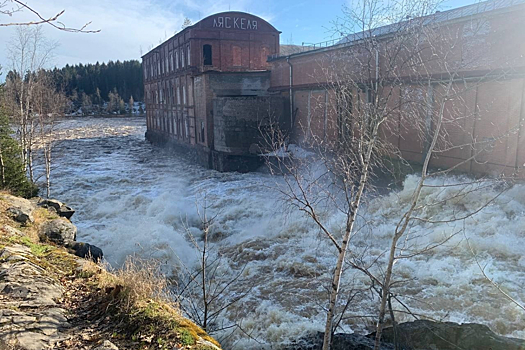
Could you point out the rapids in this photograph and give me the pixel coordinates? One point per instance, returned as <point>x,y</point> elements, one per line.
<point>135,199</point>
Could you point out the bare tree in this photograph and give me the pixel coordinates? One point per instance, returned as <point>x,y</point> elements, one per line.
<point>29,53</point>
<point>205,293</point>
<point>32,99</point>
<point>11,7</point>
<point>49,104</point>
<point>379,80</point>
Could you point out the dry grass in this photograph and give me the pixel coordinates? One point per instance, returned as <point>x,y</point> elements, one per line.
<point>138,280</point>
<point>139,293</point>
<point>134,301</point>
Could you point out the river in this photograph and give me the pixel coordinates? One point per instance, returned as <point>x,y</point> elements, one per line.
<point>136,199</point>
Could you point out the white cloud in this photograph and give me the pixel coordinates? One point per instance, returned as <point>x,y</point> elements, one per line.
<point>126,25</point>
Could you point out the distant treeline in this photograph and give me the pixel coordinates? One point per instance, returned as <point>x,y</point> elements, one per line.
<point>98,80</point>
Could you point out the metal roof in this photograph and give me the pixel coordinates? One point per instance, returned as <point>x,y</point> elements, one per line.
<point>440,16</point>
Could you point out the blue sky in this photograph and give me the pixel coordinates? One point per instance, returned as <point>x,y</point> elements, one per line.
<point>129,27</point>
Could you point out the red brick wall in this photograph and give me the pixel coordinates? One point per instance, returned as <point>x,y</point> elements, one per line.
<point>482,120</point>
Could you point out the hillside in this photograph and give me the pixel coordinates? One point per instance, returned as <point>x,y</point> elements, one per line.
<point>52,299</point>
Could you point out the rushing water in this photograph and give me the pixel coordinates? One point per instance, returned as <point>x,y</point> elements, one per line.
<point>133,198</point>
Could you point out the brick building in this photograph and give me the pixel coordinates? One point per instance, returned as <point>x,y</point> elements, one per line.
<point>485,40</point>
<point>208,87</point>
<point>196,81</point>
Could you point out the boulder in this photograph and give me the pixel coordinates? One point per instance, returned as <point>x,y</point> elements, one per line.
<point>20,214</point>
<point>339,342</point>
<point>86,251</point>
<point>60,208</point>
<point>424,334</point>
<point>50,203</point>
<point>66,212</point>
<point>59,231</point>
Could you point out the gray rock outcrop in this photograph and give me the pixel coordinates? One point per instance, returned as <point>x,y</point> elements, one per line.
<point>424,334</point>
<point>59,231</point>
<point>339,342</point>
<point>25,217</point>
<point>21,210</point>
<point>29,314</point>
<point>60,208</point>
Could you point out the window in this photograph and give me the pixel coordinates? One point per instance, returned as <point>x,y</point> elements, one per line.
<point>178,95</point>
<point>265,52</point>
<point>182,58</point>
<point>184,94</point>
<point>207,55</point>
<point>187,128</point>
<point>237,56</point>
<point>189,56</point>
<point>202,132</point>
<point>177,59</point>
<point>190,93</point>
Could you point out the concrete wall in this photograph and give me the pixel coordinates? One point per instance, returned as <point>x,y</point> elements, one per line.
<point>238,121</point>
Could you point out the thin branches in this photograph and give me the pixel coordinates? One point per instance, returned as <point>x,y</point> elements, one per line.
<point>53,20</point>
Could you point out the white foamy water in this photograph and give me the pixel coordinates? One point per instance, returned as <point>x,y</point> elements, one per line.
<point>133,198</point>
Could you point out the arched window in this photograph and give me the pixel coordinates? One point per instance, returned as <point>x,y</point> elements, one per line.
<point>207,55</point>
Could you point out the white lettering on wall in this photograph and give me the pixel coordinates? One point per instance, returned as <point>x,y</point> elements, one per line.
<point>235,23</point>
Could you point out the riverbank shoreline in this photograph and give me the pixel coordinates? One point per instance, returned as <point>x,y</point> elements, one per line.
<point>50,298</point>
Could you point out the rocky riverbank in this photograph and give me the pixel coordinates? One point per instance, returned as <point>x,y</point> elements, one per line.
<point>53,298</point>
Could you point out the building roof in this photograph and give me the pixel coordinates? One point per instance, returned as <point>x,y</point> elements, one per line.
<point>440,16</point>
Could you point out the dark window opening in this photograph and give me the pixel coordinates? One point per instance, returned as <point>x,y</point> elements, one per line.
<point>202,132</point>
<point>206,54</point>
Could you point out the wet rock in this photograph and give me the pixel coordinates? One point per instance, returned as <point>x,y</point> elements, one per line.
<point>86,251</point>
<point>21,215</point>
<point>423,334</point>
<point>59,231</point>
<point>106,345</point>
<point>339,342</point>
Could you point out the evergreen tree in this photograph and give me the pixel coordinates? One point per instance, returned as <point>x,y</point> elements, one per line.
<point>98,80</point>
<point>12,175</point>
